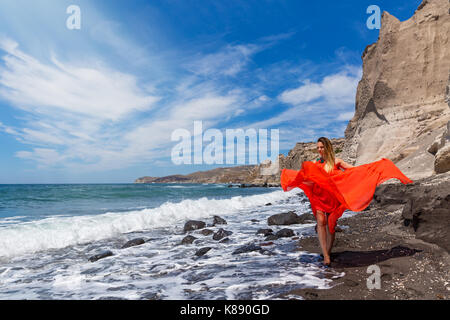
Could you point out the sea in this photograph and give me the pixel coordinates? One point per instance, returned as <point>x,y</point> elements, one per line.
<point>48,232</point>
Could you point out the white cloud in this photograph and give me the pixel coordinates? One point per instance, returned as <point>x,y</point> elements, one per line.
<point>94,92</point>
<point>228,61</point>
<point>313,107</point>
<point>69,111</point>
<point>43,156</point>
<point>345,116</point>
<point>305,93</point>
<point>207,107</point>
<point>337,89</point>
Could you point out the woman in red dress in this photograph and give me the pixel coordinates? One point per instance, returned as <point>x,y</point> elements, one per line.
<point>331,190</point>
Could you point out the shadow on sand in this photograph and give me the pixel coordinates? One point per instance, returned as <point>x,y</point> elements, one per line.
<point>350,259</point>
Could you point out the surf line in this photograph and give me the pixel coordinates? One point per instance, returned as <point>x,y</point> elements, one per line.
<point>197,310</point>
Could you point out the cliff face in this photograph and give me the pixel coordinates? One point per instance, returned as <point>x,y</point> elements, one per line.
<point>402,101</point>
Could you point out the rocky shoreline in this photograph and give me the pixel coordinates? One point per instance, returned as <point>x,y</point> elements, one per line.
<point>413,258</point>
<point>404,232</point>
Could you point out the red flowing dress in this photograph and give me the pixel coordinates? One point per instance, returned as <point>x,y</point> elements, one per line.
<point>338,190</point>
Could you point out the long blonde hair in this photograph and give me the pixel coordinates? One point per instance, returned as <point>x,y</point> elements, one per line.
<point>328,153</point>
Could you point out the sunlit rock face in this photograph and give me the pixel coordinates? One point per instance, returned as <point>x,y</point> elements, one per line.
<point>402,100</point>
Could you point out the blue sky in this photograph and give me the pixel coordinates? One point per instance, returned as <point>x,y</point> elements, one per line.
<point>99,104</point>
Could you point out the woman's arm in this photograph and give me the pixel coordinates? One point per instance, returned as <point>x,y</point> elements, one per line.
<point>343,164</point>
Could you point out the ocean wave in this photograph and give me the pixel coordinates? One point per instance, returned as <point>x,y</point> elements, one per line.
<point>60,232</point>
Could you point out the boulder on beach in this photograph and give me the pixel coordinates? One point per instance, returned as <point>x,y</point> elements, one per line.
<point>442,161</point>
<point>202,251</point>
<point>218,220</point>
<point>188,239</point>
<point>133,242</point>
<point>284,233</point>
<point>221,233</point>
<point>285,218</point>
<point>206,232</point>
<point>224,240</point>
<point>306,218</point>
<point>193,225</point>
<point>247,248</point>
<point>100,255</point>
<point>264,232</point>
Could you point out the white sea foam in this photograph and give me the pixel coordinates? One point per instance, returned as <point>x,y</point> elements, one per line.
<point>164,269</point>
<point>60,232</point>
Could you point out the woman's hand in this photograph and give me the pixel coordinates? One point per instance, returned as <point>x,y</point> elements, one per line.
<point>343,164</point>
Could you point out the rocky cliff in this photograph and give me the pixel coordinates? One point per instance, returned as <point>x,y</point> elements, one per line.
<point>402,99</point>
<point>237,174</point>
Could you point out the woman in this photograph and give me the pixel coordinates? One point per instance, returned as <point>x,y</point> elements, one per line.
<point>331,190</point>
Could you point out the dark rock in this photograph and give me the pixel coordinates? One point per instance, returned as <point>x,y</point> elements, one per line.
<point>188,239</point>
<point>285,218</point>
<point>306,218</point>
<point>254,220</point>
<point>221,233</point>
<point>101,255</point>
<point>266,252</point>
<point>284,233</point>
<point>200,252</point>
<point>247,248</point>
<point>426,207</point>
<point>224,240</point>
<point>206,232</point>
<point>271,237</point>
<point>133,242</point>
<point>389,194</point>
<point>274,185</point>
<point>268,204</point>
<point>252,185</point>
<point>264,232</point>
<point>428,215</point>
<point>219,220</point>
<point>193,225</point>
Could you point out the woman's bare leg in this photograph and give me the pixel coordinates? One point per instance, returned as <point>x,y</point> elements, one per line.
<point>330,240</point>
<point>322,233</point>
